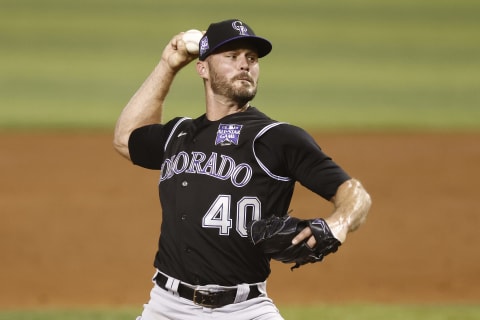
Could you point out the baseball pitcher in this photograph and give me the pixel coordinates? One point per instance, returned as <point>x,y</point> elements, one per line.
<point>226,181</point>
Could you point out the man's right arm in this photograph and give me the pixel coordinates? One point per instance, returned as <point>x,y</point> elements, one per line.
<point>145,107</point>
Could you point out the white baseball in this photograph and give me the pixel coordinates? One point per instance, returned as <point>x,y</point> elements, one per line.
<point>192,39</point>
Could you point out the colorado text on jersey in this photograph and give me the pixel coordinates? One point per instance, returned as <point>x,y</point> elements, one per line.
<point>197,163</point>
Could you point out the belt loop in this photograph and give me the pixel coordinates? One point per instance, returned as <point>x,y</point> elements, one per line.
<point>172,285</point>
<point>242,292</point>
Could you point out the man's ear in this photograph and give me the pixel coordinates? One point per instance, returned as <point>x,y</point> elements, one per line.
<point>201,69</point>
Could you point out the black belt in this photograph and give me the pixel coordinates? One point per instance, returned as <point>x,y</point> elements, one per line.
<point>206,298</point>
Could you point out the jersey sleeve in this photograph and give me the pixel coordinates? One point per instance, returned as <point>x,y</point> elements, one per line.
<point>290,151</point>
<point>146,146</point>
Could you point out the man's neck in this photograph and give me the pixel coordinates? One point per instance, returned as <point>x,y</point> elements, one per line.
<point>219,109</point>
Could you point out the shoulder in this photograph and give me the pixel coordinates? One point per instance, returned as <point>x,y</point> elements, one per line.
<point>153,133</point>
<point>157,129</point>
<point>285,133</point>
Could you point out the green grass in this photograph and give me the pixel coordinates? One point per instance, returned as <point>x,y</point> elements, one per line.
<point>336,64</point>
<point>381,312</point>
<point>335,312</point>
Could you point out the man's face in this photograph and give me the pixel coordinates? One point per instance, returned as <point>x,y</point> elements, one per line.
<point>234,71</point>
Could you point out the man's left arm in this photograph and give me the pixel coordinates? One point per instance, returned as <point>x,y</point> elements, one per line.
<point>351,206</point>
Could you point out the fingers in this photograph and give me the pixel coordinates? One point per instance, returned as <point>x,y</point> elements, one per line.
<point>175,53</point>
<point>306,233</point>
<point>179,45</point>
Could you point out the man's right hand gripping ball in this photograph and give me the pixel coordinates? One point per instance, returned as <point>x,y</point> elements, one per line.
<point>274,237</point>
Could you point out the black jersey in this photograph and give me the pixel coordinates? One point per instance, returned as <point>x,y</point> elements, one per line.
<point>216,176</point>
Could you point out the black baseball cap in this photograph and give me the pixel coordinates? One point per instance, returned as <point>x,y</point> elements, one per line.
<point>226,31</point>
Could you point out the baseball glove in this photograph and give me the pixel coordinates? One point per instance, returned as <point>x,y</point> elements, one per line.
<point>274,237</point>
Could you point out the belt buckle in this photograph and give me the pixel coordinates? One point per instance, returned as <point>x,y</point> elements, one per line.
<point>205,298</point>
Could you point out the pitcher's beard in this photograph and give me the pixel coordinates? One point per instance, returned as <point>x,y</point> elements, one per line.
<point>242,95</point>
<point>239,93</point>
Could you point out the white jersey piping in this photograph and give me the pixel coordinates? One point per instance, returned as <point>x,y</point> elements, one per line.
<point>264,168</point>
<point>173,131</point>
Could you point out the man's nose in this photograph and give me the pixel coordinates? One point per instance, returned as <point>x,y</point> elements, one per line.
<point>243,62</point>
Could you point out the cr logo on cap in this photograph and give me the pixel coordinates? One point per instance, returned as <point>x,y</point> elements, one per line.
<point>238,25</point>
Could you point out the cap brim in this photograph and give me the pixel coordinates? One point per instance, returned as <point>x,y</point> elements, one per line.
<point>262,45</point>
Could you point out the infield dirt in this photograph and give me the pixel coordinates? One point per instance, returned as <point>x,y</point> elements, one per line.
<point>79,224</point>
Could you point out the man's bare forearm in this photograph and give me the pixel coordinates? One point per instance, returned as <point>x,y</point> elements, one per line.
<point>145,107</point>
<point>351,206</point>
